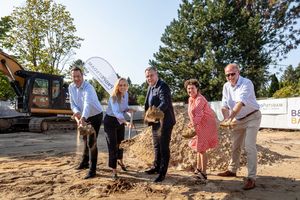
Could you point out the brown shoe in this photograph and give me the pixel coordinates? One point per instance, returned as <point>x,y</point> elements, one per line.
<point>249,184</point>
<point>227,174</point>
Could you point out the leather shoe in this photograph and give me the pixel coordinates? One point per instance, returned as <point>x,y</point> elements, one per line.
<point>249,184</point>
<point>122,166</point>
<point>202,176</point>
<point>227,174</point>
<point>152,170</point>
<point>197,171</point>
<point>83,166</point>
<point>91,174</point>
<point>115,177</point>
<point>160,178</point>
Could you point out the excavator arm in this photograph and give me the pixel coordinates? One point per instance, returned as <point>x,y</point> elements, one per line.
<point>9,67</point>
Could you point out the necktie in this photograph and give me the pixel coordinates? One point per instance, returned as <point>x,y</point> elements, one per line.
<point>150,96</point>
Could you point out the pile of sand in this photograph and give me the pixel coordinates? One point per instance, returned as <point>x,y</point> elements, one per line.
<point>182,156</point>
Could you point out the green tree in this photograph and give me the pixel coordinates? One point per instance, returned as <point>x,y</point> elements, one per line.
<point>210,34</point>
<point>43,37</point>
<point>290,82</point>
<point>6,91</point>
<point>5,25</point>
<point>274,86</point>
<point>297,72</point>
<point>129,81</point>
<point>141,100</point>
<point>136,92</point>
<point>292,90</point>
<point>289,76</point>
<point>101,92</point>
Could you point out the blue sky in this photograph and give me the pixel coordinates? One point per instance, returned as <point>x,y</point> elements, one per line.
<point>124,32</point>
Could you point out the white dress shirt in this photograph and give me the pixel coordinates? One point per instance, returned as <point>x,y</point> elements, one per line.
<point>84,100</point>
<point>243,92</point>
<point>116,109</point>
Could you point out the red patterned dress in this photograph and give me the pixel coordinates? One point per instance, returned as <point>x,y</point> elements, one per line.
<point>203,118</point>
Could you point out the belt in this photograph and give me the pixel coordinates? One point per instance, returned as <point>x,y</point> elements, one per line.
<point>110,116</point>
<point>95,116</point>
<point>248,115</point>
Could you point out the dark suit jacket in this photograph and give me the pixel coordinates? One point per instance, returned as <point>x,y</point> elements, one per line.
<point>161,98</point>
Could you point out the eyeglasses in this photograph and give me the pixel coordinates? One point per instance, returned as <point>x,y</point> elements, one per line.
<point>230,74</point>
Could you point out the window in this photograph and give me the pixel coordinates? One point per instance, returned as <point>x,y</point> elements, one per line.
<point>40,93</point>
<point>55,89</point>
<point>40,87</point>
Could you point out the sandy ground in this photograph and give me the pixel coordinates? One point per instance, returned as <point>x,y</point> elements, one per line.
<point>42,166</point>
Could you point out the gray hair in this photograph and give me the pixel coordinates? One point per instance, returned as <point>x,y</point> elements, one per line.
<point>151,69</point>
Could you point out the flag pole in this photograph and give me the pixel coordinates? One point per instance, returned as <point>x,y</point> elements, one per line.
<point>130,128</point>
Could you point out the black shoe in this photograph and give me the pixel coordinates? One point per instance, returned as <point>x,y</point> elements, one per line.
<point>115,177</point>
<point>83,166</point>
<point>122,166</point>
<point>197,171</point>
<point>91,174</point>
<point>160,178</point>
<point>201,176</point>
<point>152,170</point>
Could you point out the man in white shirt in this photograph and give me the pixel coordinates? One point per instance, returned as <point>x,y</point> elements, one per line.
<point>87,109</point>
<point>240,109</point>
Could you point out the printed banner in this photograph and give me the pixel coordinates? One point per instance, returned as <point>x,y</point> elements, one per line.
<point>102,71</point>
<point>294,113</point>
<point>273,106</point>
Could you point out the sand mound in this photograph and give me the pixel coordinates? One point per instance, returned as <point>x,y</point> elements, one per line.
<point>182,156</point>
<point>121,185</point>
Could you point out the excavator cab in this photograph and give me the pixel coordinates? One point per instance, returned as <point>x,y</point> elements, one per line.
<point>44,94</point>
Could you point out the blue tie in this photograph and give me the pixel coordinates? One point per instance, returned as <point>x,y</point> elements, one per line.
<point>150,96</point>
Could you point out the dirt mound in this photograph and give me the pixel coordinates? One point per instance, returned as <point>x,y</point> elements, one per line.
<point>121,185</point>
<point>182,156</point>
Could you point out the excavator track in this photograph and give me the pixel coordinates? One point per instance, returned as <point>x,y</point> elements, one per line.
<point>42,124</point>
<point>13,124</point>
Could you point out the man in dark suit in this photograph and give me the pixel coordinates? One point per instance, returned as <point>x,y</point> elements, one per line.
<point>159,95</point>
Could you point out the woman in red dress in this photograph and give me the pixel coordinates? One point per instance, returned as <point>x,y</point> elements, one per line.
<point>202,118</point>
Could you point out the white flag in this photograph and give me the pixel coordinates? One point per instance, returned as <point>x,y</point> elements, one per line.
<point>103,72</point>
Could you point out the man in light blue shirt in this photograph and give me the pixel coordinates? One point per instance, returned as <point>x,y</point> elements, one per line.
<point>240,109</point>
<point>87,109</point>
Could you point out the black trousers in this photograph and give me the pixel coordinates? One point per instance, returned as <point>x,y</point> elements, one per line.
<point>161,142</point>
<point>90,150</point>
<point>114,132</point>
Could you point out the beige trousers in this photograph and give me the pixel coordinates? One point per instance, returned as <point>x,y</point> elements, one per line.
<point>244,135</point>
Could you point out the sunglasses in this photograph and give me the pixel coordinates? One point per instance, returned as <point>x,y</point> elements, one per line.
<point>230,74</point>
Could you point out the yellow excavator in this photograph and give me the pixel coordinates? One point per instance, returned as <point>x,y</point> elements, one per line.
<point>42,98</point>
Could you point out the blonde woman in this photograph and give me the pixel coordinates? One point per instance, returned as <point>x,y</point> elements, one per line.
<point>114,124</point>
